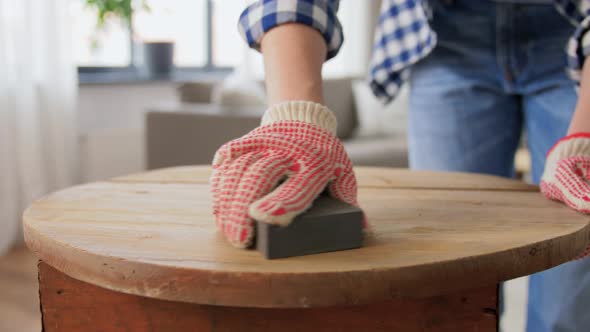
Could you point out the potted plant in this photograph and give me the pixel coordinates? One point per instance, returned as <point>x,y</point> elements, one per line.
<point>157,56</point>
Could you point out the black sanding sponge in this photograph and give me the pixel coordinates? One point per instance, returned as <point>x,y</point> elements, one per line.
<point>329,225</point>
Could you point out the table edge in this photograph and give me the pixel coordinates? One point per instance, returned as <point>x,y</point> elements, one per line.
<point>335,287</point>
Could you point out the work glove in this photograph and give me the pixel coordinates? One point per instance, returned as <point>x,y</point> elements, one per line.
<point>567,172</point>
<point>295,146</point>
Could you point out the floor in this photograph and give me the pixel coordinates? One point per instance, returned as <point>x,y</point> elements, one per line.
<point>19,305</point>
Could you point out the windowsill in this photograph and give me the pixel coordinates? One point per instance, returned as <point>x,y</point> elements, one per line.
<point>132,77</point>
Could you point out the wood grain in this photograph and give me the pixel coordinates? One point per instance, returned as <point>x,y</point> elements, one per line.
<point>158,239</point>
<point>70,305</point>
<point>368,177</point>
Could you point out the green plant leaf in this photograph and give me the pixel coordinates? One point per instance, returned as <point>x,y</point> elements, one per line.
<point>122,9</point>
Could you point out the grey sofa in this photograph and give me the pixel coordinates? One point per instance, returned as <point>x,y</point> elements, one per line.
<point>184,133</point>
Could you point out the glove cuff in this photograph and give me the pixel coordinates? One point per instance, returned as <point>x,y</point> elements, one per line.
<point>300,110</point>
<point>570,146</point>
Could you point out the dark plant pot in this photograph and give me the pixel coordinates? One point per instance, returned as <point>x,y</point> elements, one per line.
<point>159,59</point>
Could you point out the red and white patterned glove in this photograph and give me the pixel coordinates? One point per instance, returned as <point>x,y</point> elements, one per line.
<point>567,174</point>
<point>296,143</point>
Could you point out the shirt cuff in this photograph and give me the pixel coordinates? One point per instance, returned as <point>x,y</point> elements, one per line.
<point>578,49</point>
<point>264,15</point>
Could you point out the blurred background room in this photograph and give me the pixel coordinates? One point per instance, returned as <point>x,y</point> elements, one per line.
<point>92,89</point>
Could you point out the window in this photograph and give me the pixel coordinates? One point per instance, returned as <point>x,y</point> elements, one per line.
<point>204,33</point>
<point>108,48</point>
<point>353,58</point>
<point>184,22</point>
<point>228,46</point>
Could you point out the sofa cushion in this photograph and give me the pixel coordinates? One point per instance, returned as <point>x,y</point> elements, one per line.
<point>195,92</point>
<point>374,118</point>
<point>386,151</point>
<point>187,137</point>
<point>339,98</point>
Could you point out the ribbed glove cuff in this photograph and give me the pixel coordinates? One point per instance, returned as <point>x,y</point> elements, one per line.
<point>570,146</point>
<point>299,110</point>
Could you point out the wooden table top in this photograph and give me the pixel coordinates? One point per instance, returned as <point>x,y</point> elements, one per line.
<point>153,234</point>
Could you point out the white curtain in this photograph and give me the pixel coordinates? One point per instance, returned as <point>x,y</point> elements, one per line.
<point>37,107</point>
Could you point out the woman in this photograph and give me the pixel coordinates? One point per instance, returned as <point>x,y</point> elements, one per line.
<point>481,70</point>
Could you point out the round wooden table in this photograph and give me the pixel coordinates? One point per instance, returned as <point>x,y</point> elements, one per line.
<point>141,252</point>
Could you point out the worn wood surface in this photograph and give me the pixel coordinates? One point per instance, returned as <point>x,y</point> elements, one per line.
<point>368,177</point>
<point>153,235</point>
<point>69,305</point>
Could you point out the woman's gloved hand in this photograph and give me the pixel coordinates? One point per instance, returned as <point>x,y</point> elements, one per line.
<point>567,174</point>
<point>296,144</point>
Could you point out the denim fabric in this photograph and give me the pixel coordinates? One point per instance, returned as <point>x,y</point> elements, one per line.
<point>403,37</point>
<point>498,69</point>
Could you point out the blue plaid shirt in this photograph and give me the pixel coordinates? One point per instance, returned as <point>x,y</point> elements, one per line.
<point>402,37</point>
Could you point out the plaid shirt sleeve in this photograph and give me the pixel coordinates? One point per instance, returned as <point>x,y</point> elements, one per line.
<point>578,47</point>
<point>402,37</point>
<point>264,15</point>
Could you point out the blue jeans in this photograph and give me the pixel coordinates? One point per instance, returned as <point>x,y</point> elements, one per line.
<point>499,69</point>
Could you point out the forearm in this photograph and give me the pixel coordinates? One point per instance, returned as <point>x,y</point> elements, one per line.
<point>293,58</point>
<point>581,119</point>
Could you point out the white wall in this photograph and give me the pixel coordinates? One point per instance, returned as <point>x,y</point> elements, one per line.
<point>111,126</point>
